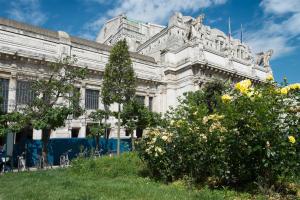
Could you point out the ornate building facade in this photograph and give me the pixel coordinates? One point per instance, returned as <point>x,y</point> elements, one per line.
<point>168,61</point>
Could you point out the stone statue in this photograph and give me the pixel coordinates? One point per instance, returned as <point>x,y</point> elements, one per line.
<point>198,21</point>
<point>195,27</point>
<point>263,58</point>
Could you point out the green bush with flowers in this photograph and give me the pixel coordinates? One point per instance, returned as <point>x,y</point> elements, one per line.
<point>241,134</point>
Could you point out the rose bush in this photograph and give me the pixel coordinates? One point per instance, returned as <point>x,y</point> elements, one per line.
<point>251,134</point>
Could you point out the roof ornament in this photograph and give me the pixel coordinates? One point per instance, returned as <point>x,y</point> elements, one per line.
<point>195,27</point>
<point>263,58</point>
<point>199,20</point>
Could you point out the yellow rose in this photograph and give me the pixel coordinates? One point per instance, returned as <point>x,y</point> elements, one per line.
<point>243,86</point>
<point>270,77</point>
<point>216,117</point>
<point>247,83</point>
<point>295,86</point>
<point>250,94</point>
<point>292,139</point>
<point>284,90</point>
<point>213,117</point>
<point>205,120</point>
<point>164,138</point>
<point>158,149</point>
<point>172,122</point>
<point>226,98</point>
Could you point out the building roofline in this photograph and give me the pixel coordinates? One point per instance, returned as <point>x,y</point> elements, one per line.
<point>74,40</point>
<point>28,27</point>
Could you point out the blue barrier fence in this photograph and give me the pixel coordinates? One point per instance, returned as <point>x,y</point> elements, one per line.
<point>56,147</point>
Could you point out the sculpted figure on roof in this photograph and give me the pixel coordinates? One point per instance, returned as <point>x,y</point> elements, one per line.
<point>197,23</point>
<point>263,58</point>
<point>195,27</point>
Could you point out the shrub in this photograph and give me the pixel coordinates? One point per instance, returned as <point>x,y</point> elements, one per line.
<point>251,135</point>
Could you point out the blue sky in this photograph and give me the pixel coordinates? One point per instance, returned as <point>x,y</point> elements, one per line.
<point>267,23</point>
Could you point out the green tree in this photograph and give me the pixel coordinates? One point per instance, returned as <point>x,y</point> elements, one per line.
<point>99,127</point>
<point>119,81</point>
<point>56,97</point>
<point>134,115</point>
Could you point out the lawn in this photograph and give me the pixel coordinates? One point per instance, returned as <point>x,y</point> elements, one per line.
<point>105,178</point>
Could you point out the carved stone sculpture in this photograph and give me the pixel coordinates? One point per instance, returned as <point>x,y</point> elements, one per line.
<point>195,27</point>
<point>263,58</point>
<point>198,21</point>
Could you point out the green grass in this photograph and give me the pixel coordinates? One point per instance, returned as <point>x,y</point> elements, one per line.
<point>106,178</point>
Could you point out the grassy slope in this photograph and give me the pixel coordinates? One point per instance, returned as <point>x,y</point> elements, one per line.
<point>106,178</point>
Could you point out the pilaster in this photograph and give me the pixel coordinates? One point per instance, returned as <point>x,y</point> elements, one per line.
<point>12,92</point>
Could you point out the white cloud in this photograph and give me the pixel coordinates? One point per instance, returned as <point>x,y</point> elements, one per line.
<point>27,11</point>
<point>155,11</point>
<point>281,25</point>
<point>280,6</point>
<point>260,41</point>
<point>158,11</point>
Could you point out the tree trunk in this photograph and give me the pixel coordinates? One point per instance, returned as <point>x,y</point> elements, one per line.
<point>45,139</point>
<point>105,135</point>
<point>132,141</point>
<point>97,142</point>
<point>119,116</point>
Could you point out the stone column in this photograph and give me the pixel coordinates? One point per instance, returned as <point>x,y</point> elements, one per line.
<point>82,95</point>
<point>147,101</point>
<point>12,92</point>
<point>82,132</point>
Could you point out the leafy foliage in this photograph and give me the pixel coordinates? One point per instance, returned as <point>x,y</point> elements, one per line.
<point>99,124</point>
<point>12,122</point>
<point>56,97</point>
<point>119,81</point>
<point>135,115</point>
<point>250,134</point>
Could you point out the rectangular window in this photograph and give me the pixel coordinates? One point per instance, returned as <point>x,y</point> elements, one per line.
<point>150,103</point>
<point>141,99</point>
<point>24,93</point>
<point>91,99</point>
<point>75,132</point>
<point>4,84</point>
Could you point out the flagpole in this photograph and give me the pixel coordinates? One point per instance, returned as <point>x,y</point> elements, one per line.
<point>242,33</point>
<point>229,29</point>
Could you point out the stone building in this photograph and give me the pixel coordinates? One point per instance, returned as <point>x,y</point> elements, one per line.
<point>168,61</point>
